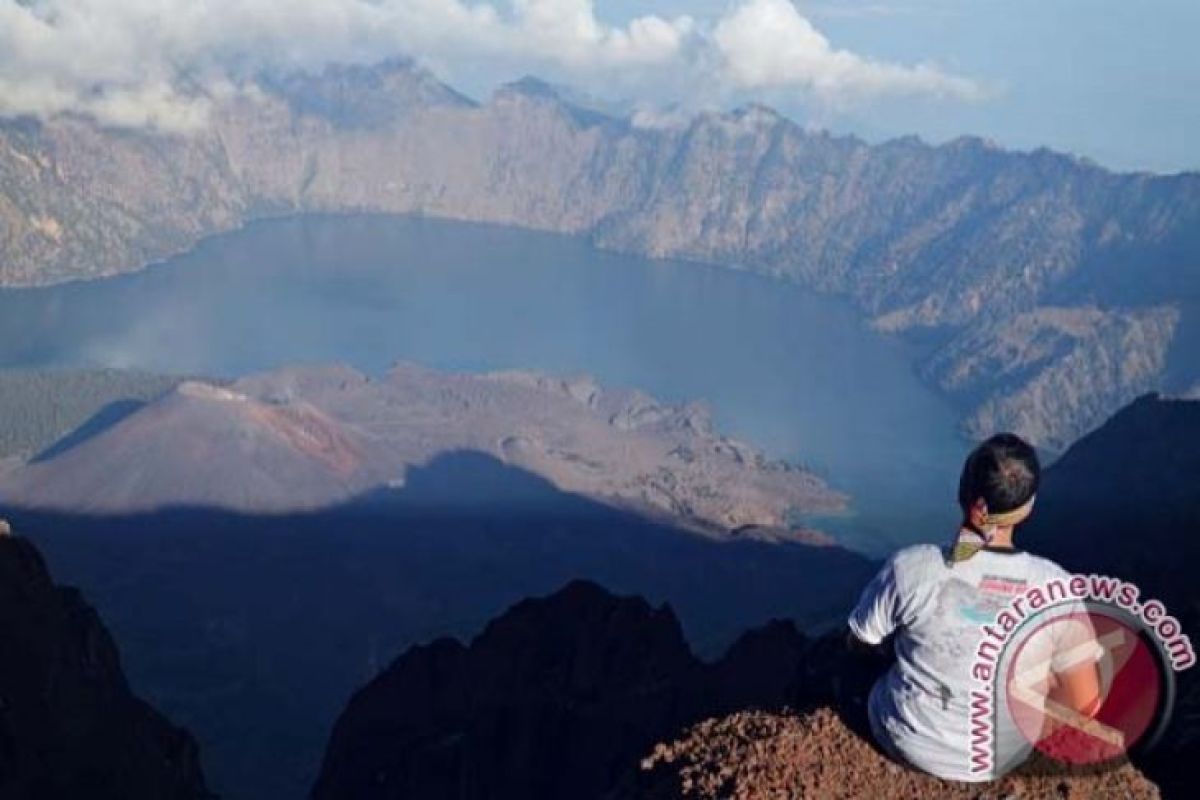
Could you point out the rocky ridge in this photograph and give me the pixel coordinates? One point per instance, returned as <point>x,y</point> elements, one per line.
<point>558,697</point>
<point>69,724</point>
<point>963,239</point>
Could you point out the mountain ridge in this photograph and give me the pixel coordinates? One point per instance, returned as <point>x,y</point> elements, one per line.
<point>960,239</point>
<point>559,696</point>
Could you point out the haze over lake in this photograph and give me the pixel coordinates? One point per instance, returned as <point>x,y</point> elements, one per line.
<point>795,373</point>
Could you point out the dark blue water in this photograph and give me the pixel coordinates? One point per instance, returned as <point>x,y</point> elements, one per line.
<point>795,373</point>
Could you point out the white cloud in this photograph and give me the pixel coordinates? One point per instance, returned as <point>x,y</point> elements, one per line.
<point>154,62</point>
<point>768,44</point>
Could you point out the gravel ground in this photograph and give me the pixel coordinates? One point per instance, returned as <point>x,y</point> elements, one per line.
<point>761,756</point>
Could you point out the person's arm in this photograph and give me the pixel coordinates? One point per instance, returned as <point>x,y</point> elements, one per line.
<point>1074,668</point>
<point>859,647</point>
<point>1074,693</point>
<point>1078,688</point>
<point>877,614</point>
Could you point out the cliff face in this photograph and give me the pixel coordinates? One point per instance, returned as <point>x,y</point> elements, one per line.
<point>1035,370</point>
<point>559,697</point>
<point>69,725</point>
<point>962,238</point>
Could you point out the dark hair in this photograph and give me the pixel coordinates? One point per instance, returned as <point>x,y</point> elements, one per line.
<point>1004,471</point>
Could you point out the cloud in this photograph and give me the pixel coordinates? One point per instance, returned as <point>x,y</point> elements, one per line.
<point>159,62</point>
<point>767,44</point>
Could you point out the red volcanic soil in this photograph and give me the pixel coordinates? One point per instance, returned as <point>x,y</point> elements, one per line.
<point>761,756</point>
<point>309,432</point>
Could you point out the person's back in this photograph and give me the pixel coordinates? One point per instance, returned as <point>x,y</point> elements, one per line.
<point>935,602</point>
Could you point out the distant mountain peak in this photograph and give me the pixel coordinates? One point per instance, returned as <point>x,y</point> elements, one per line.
<point>585,111</point>
<point>366,96</point>
<point>972,142</point>
<point>760,113</point>
<point>532,86</point>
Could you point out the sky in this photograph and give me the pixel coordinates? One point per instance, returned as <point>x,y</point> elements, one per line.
<point>1116,82</point>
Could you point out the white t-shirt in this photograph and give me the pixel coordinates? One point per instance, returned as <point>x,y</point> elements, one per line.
<point>920,709</point>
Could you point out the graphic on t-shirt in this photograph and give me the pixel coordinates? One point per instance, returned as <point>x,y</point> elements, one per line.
<point>993,594</point>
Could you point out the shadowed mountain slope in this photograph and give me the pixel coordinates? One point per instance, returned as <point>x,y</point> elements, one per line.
<point>253,630</point>
<point>558,697</point>
<point>1125,501</point>
<point>69,725</point>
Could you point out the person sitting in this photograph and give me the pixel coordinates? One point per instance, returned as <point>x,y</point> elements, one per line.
<point>934,601</point>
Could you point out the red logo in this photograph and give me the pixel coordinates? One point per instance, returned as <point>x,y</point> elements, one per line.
<point>1086,686</point>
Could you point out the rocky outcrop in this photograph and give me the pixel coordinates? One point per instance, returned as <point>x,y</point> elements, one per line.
<point>69,725</point>
<point>558,697</point>
<point>313,437</point>
<point>948,238</point>
<point>764,756</point>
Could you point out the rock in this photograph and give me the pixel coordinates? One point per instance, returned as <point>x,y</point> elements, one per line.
<point>69,725</point>
<point>558,697</point>
<point>769,756</point>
